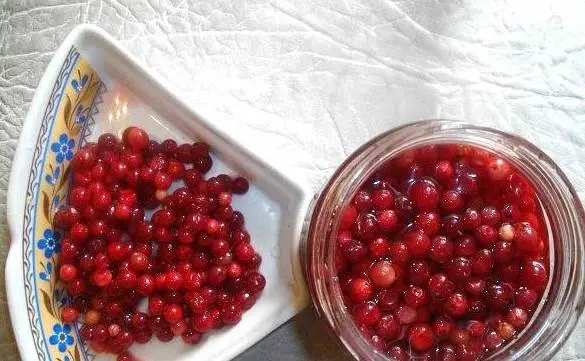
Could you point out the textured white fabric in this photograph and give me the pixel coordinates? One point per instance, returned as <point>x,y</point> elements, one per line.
<point>306,82</point>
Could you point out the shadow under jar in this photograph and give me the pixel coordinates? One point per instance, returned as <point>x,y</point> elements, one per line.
<point>562,301</point>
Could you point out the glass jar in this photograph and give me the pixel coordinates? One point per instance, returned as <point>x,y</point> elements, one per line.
<point>563,299</point>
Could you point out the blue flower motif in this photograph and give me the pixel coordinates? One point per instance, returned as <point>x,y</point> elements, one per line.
<point>52,178</point>
<point>80,115</point>
<point>63,148</point>
<point>49,242</point>
<point>56,200</point>
<point>46,274</point>
<point>77,86</point>
<point>61,296</point>
<point>66,358</point>
<point>61,336</point>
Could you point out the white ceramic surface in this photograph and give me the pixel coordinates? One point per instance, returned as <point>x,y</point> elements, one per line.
<point>274,208</point>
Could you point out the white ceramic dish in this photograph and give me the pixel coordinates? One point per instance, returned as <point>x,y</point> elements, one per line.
<point>117,92</point>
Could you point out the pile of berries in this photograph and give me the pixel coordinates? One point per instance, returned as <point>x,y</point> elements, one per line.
<point>442,254</point>
<point>192,260</point>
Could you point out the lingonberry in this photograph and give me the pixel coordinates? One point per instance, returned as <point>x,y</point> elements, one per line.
<point>240,185</point>
<point>419,272</point>
<point>456,305</point>
<point>418,243</point>
<point>534,275</point>
<point>526,298</point>
<point>525,238</point>
<point>231,314</point>
<point>382,274</point>
<point>378,247</point>
<point>388,327</point>
<point>367,313</point>
<point>452,201</point>
<point>424,194</point>
<point>421,337</point>
<point>69,314</point>
<point>440,287</point>
<point>428,222</point>
<point>67,273</point>
<point>442,327</point>
<point>173,313</point>
<point>136,138</point>
<point>465,246</point>
<point>415,296</point>
<point>441,249</point>
<point>360,290</point>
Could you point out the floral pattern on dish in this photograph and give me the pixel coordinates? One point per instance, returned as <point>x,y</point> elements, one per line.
<point>76,93</point>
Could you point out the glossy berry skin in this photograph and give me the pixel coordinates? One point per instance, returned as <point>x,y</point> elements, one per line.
<point>367,313</point>
<point>67,273</point>
<point>382,274</point>
<point>173,313</point>
<point>421,337</point>
<point>456,305</point>
<point>424,194</point>
<point>360,290</point>
<point>418,243</point>
<point>388,328</point>
<point>240,185</point>
<point>135,138</point>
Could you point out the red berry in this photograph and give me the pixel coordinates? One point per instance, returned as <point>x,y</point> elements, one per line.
<point>367,313</point>
<point>525,238</point>
<point>378,247</point>
<point>428,222</point>
<point>135,138</point>
<point>173,313</point>
<point>415,296</point>
<point>498,169</point>
<point>360,290</point>
<point>482,262</point>
<point>526,298</point>
<point>382,274</point>
<point>387,220</point>
<point>240,185</point>
<point>145,284</point>
<point>534,275</point>
<point>421,337</point>
<point>162,181</point>
<point>490,216</point>
<point>418,243</point>
<point>388,328</point>
<point>497,297</point>
<point>441,249</point>
<point>443,171</point>
<point>362,201</point>
<point>69,314</point>
<point>102,277</point>
<point>367,226</point>
<point>425,194</point>
<point>382,199</point>
<point>405,314</point>
<point>486,235</point>
<point>452,201</point>
<point>79,232</point>
<point>419,272</point>
<point>471,219</point>
<point>442,327</point>
<point>456,305</point>
<point>440,287</point>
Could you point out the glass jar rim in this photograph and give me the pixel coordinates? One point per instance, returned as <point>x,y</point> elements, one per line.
<point>570,268</point>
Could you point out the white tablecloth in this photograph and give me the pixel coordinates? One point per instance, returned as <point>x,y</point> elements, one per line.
<point>306,82</point>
